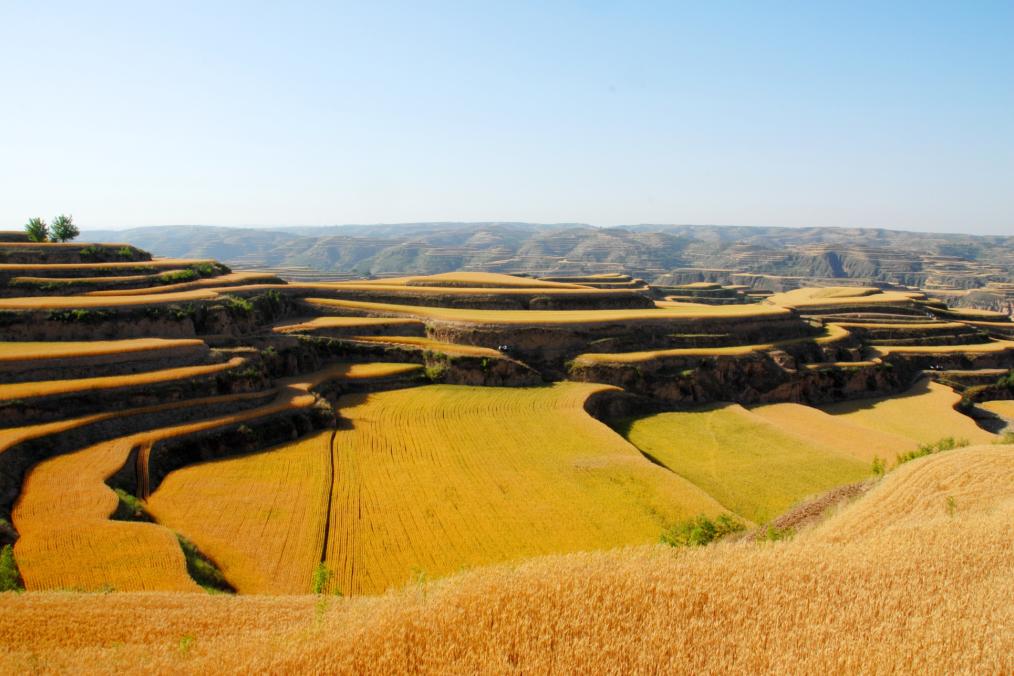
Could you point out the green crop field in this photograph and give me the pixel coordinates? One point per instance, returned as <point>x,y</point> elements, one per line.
<point>748,464</point>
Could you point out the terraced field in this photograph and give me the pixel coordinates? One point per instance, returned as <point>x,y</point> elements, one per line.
<point>751,465</point>
<point>895,562</point>
<point>67,540</point>
<point>552,317</point>
<point>278,438</point>
<point>260,517</point>
<point>925,414</point>
<point>427,481</point>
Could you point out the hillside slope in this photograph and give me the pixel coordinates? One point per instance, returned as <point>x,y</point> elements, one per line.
<point>914,577</point>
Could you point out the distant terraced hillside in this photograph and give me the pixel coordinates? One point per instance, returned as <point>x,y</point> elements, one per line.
<point>171,424</point>
<point>972,271</point>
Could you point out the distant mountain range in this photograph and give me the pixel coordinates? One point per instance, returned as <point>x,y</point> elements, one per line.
<point>668,252</point>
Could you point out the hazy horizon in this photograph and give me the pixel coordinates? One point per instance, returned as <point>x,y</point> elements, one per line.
<point>858,115</point>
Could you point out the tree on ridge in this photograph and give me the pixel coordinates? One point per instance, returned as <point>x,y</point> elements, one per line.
<point>37,230</point>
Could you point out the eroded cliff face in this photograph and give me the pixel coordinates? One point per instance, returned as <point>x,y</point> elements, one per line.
<point>746,379</point>
<point>547,347</point>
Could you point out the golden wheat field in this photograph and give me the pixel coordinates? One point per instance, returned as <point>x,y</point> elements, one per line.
<point>67,539</point>
<point>831,432</point>
<point>30,351</point>
<point>45,388</point>
<point>427,481</point>
<point>1004,408</point>
<point>433,345</point>
<point>113,301</point>
<point>749,464</point>
<point>831,334</point>
<point>896,582</point>
<point>535,317</point>
<point>433,479</point>
<point>350,324</point>
<point>260,517</point>
<point>231,279</point>
<point>820,297</point>
<point>925,414</point>
<point>975,348</point>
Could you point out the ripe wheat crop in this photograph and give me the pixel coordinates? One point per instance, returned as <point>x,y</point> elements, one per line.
<point>66,538</point>
<point>433,345</point>
<point>430,480</point>
<point>832,334</point>
<point>924,414</point>
<point>747,463</point>
<point>896,582</point>
<point>833,432</point>
<point>537,317</point>
<point>221,281</point>
<point>55,387</point>
<point>260,517</point>
<point>32,351</point>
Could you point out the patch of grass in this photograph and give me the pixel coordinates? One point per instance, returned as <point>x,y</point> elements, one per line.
<point>204,572</point>
<point>10,577</point>
<point>82,315</point>
<point>753,468</point>
<point>321,576</point>
<point>239,306</point>
<point>177,276</point>
<point>945,444</point>
<point>92,252</point>
<point>1006,438</point>
<point>435,371</point>
<point>952,506</point>
<point>773,533</point>
<point>204,269</point>
<point>879,466</point>
<point>701,531</point>
<point>131,508</point>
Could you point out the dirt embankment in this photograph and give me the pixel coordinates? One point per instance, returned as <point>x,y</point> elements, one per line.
<point>16,460</point>
<point>227,315</point>
<point>746,379</point>
<point>546,347</point>
<point>455,369</point>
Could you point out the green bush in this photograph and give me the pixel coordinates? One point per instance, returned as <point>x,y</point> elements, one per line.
<point>775,534</point>
<point>701,530</point>
<point>321,576</point>
<point>945,444</point>
<point>79,315</point>
<point>177,276</point>
<point>10,578</point>
<point>239,306</point>
<point>879,466</point>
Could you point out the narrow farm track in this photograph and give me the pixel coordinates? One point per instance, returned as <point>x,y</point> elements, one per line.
<point>433,479</point>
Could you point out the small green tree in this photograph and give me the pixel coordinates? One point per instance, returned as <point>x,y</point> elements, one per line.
<point>37,230</point>
<point>63,228</point>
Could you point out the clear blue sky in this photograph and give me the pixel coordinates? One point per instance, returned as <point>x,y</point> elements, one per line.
<point>759,113</point>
